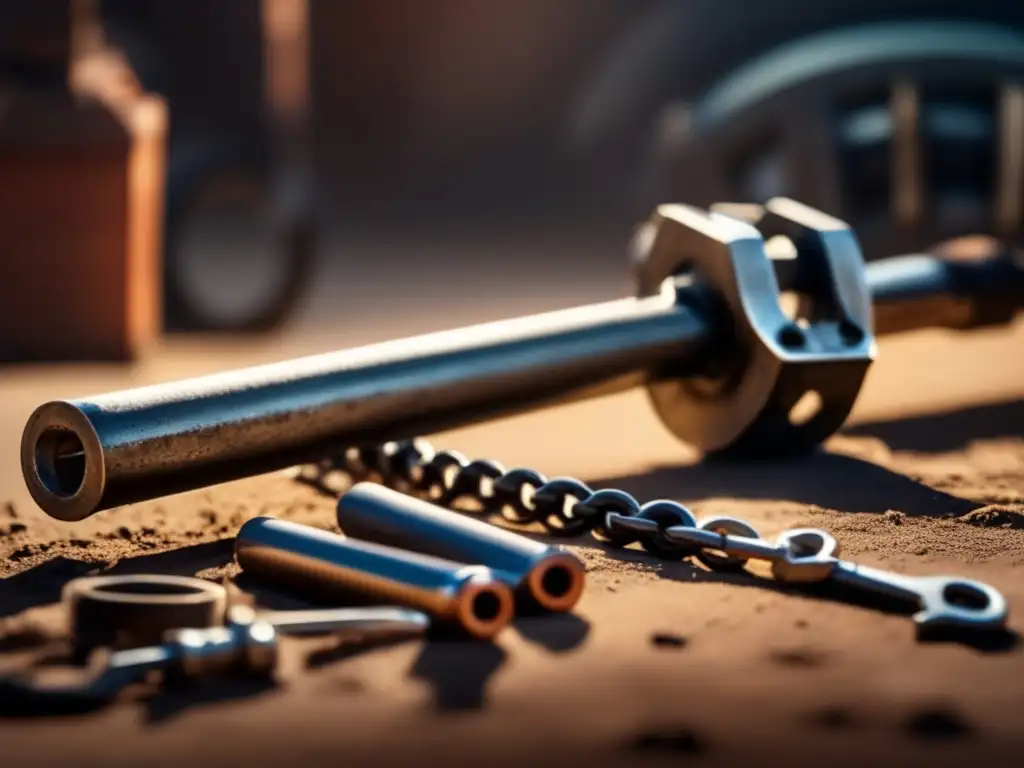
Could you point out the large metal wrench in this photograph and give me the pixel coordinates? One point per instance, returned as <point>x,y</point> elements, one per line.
<point>809,555</point>
<point>725,366</point>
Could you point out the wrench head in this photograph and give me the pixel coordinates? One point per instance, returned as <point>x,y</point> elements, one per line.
<point>743,395</point>
<point>950,602</point>
<point>811,555</point>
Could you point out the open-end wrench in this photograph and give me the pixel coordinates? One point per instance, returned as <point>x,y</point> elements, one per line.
<point>808,555</point>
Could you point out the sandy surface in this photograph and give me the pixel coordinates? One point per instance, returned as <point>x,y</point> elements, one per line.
<point>663,663</point>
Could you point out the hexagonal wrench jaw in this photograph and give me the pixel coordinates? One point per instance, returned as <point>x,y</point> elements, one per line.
<point>746,398</point>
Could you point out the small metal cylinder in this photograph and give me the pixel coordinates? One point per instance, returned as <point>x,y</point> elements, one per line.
<point>327,564</point>
<point>549,576</point>
<point>248,647</point>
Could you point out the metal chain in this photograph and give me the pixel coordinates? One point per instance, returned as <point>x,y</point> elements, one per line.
<point>565,506</point>
<point>666,529</point>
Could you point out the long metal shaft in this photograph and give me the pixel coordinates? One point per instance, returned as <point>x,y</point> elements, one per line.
<point>919,291</point>
<point>82,456</point>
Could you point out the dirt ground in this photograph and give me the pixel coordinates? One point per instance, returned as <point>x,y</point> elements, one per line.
<point>662,663</point>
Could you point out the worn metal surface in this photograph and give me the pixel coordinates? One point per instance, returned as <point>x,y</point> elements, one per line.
<point>86,455</point>
<point>548,576</point>
<point>742,398</point>
<point>325,564</point>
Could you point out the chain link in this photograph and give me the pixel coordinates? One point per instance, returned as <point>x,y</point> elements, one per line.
<point>564,506</point>
<point>665,529</point>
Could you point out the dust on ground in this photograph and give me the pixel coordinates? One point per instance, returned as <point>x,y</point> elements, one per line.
<point>661,660</point>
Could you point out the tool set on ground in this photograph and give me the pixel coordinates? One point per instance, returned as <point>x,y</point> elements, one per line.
<point>727,368</point>
<point>182,639</point>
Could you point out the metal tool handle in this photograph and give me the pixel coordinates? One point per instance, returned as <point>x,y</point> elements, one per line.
<point>390,621</point>
<point>919,290</point>
<point>945,601</point>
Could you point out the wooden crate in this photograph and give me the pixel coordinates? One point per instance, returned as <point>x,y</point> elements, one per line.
<point>81,206</point>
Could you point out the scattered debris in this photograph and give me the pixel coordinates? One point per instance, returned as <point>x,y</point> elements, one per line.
<point>996,516</point>
<point>939,724</point>
<point>676,740</point>
<point>668,640</point>
<point>800,657</point>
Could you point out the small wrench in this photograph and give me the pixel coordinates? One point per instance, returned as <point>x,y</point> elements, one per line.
<point>246,644</point>
<point>807,555</point>
<point>944,601</point>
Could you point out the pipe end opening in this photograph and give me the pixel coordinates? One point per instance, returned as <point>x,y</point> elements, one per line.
<point>60,462</point>
<point>486,606</point>
<point>557,581</point>
<point>486,609</point>
<point>557,584</point>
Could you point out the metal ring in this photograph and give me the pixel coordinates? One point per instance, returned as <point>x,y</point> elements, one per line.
<point>728,526</point>
<point>136,610</point>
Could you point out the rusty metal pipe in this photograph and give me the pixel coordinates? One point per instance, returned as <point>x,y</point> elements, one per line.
<point>327,565</point>
<point>548,577</point>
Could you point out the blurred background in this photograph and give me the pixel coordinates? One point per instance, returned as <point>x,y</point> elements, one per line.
<point>304,166</point>
<point>191,186</point>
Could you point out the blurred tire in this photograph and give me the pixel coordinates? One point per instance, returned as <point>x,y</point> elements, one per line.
<point>909,131</point>
<point>677,51</point>
<point>240,242</point>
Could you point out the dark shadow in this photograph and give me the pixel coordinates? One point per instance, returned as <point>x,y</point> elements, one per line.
<point>939,723</point>
<point>174,699</point>
<point>42,585</point>
<point>458,672</point>
<point>559,633</point>
<point>18,703</point>
<point>24,640</point>
<point>347,649</point>
<point>84,688</point>
<point>983,641</point>
<point>326,484</point>
<point>671,742</point>
<point>830,480</point>
<point>184,561</point>
<point>937,433</point>
<point>268,597</point>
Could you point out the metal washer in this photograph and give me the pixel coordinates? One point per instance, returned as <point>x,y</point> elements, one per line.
<point>136,610</point>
